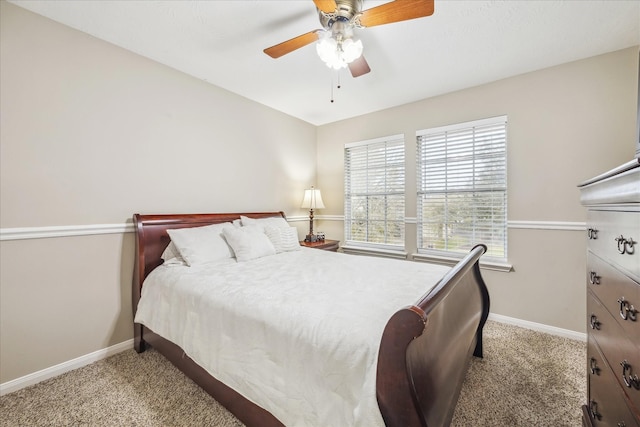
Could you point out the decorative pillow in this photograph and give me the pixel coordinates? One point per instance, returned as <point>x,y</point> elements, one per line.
<point>277,221</point>
<point>198,245</point>
<point>248,243</point>
<point>171,255</point>
<point>283,239</point>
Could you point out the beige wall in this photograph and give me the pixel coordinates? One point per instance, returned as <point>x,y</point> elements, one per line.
<point>90,134</point>
<point>565,125</point>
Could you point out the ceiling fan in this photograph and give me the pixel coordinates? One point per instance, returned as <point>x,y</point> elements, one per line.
<point>336,45</point>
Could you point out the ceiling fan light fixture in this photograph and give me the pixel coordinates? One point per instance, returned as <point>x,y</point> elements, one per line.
<point>351,50</point>
<point>338,53</point>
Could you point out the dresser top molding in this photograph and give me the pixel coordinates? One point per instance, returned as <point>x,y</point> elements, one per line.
<point>617,186</point>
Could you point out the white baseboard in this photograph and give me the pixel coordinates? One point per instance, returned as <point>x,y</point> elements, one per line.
<point>552,330</point>
<point>79,362</point>
<point>54,371</point>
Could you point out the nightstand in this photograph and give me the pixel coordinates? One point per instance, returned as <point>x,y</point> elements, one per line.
<point>327,245</point>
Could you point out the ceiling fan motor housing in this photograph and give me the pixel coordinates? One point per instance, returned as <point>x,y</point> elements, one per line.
<point>345,11</point>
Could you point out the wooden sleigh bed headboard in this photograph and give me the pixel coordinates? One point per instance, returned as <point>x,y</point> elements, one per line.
<point>152,238</point>
<point>424,353</point>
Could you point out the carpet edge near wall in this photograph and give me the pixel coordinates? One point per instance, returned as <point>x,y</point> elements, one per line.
<point>81,361</point>
<point>64,367</point>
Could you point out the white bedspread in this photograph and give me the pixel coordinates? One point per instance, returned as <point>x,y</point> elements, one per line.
<point>296,333</point>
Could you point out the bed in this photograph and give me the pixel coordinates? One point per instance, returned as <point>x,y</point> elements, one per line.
<point>425,344</point>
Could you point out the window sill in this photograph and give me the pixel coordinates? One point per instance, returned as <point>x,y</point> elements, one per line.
<point>451,261</point>
<point>385,253</point>
<point>418,257</point>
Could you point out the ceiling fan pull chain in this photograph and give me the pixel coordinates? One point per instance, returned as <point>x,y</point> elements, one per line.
<point>332,88</point>
<point>335,73</point>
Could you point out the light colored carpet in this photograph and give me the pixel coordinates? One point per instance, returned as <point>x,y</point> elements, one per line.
<point>525,379</point>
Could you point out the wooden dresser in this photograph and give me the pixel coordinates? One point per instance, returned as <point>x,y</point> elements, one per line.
<point>613,297</point>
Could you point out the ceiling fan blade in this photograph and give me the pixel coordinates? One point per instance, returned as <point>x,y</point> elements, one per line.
<point>396,11</point>
<point>327,6</point>
<point>290,45</point>
<point>359,67</point>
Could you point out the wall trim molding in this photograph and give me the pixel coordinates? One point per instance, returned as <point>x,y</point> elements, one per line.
<point>329,217</point>
<point>548,225</point>
<point>539,327</point>
<point>59,369</point>
<point>23,233</point>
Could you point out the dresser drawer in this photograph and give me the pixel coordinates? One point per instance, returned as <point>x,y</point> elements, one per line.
<point>615,237</point>
<point>621,354</point>
<point>617,292</point>
<point>607,404</point>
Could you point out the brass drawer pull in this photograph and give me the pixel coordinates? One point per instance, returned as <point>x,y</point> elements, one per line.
<point>593,366</point>
<point>627,311</point>
<point>593,321</point>
<point>629,381</point>
<point>592,233</point>
<point>594,279</point>
<point>625,246</point>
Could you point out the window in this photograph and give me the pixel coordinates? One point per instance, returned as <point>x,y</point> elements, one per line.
<point>462,188</point>
<point>374,193</point>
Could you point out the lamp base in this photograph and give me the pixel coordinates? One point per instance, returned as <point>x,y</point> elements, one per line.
<point>311,238</point>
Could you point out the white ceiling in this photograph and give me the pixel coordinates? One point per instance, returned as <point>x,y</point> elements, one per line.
<point>463,44</point>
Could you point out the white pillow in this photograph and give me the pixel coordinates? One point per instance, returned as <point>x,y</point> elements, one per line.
<point>283,239</point>
<point>248,243</point>
<point>199,245</point>
<point>277,221</point>
<point>171,255</point>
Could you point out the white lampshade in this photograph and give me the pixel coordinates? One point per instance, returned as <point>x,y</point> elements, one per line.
<point>312,199</point>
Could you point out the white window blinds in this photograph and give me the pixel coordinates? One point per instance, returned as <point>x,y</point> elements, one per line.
<point>462,187</point>
<point>374,173</point>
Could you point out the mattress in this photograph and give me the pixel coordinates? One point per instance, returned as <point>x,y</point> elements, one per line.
<point>297,333</point>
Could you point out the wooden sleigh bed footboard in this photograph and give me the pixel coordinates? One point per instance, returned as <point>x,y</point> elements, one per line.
<point>424,353</point>
<point>426,348</point>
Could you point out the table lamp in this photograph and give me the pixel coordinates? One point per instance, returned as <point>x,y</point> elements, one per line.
<point>312,200</point>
